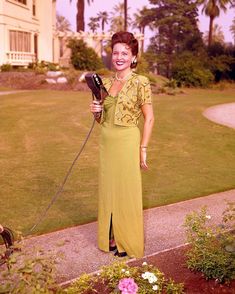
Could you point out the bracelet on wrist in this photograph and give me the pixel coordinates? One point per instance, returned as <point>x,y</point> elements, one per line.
<point>144,147</point>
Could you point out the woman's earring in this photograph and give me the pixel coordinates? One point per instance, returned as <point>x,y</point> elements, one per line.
<point>134,62</point>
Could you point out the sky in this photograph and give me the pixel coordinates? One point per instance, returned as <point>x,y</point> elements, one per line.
<point>69,11</point>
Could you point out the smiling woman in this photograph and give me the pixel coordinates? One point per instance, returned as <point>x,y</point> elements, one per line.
<point>123,152</point>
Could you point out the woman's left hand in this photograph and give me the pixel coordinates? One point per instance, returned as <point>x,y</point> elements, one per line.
<point>143,159</point>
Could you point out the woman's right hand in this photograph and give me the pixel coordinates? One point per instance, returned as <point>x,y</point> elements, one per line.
<point>95,107</point>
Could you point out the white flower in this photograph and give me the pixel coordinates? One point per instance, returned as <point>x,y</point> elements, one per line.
<point>155,287</point>
<point>146,275</point>
<point>123,270</point>
<point>144,263</point>
<point>152,279</point>
<point>208,216</point>
<point>127,272</point>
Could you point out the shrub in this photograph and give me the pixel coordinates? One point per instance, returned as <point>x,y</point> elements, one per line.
<point>212,248</point>
<point>148,279</point>
<point>83,57</point>
<point>104,72</point>
<point>142,66</point>
<point>189,71</point>
<point>71,76</point>
<point>171,84</point>
<point>30,275</point>
<point>43,66</point>
<point>6,67</point>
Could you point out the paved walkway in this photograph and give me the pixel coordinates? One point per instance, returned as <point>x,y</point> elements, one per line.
<point>163,230</point>
<point>223,114</point>
<point>12,92</point>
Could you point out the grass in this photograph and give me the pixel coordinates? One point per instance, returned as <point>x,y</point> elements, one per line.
<point>42,131</point>
<point>2,89</point>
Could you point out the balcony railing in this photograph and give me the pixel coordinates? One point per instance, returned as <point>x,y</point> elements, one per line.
<point>20,58</point>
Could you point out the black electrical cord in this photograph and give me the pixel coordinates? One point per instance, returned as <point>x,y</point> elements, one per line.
<point>7,234</point>
<point>60,190</point>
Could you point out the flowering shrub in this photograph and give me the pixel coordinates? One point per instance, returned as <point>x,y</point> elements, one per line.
<point>124,279</point>
<point>212,248</point>
<point>127,286</point>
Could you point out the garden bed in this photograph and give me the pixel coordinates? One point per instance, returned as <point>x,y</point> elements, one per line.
<point>173,264</point>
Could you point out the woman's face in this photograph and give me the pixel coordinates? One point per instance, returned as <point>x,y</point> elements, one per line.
<point>122,56</point>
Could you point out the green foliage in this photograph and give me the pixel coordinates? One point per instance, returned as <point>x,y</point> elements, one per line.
<point>72,75</point>
<point>176,23</point>
<point>27,275</point>
<point>171,84</point>
<point>6,67</point>
<point>85,284</point>
<point>104,72</point>
<point>111,275</point>
<point>83,57</point>
<point>143,66</point>
<point>43,66</point>
<point>189,71</point>
<point>212,249</point>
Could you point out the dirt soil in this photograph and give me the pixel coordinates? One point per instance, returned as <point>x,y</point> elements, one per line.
<point>173,264</point>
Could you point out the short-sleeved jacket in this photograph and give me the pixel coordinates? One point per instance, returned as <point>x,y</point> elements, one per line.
<point>135,92</point>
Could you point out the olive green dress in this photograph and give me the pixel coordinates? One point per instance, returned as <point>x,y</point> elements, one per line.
<point>120,189</point>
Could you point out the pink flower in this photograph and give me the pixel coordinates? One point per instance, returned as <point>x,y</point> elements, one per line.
<point>127,286</point>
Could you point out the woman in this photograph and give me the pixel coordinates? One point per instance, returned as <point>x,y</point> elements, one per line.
<point>123,152</point>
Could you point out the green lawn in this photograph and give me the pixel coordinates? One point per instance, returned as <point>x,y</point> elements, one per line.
<point>42,131</point>
<point>5,89</point>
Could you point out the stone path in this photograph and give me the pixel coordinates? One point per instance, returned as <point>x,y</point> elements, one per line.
<point>163,230</point>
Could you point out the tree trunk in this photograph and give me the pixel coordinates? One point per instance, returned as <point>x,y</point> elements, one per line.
<point>125,15</point>
<point>142,45</point>
<point>210,37</point>
<point>80,15</point>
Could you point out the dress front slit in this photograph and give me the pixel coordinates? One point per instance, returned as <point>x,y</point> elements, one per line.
<point>120,210</point>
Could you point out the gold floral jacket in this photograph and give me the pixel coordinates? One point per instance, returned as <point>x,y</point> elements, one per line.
<point>135,92</point>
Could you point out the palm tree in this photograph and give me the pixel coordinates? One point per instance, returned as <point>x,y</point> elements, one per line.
<point>62,24</point>
<point>232,30</point>
<point>212,9</point>
<point>103,17</point>
<point>94,24</point>
<point>80,14</point>
<point>125,15</point>
<point>117,19</point>
<point>142,19</point>
<point>218,35</point>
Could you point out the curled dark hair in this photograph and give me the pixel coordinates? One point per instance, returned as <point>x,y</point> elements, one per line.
<point>130,40</point>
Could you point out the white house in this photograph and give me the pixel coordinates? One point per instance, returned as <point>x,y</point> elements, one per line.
<point>28,33</point>
<point>27,29</point>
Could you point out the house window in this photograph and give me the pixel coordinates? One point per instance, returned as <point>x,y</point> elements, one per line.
<point>20,41</point>
<point>34,7</point>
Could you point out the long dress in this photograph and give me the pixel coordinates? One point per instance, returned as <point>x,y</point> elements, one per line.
<point>120,190</point>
